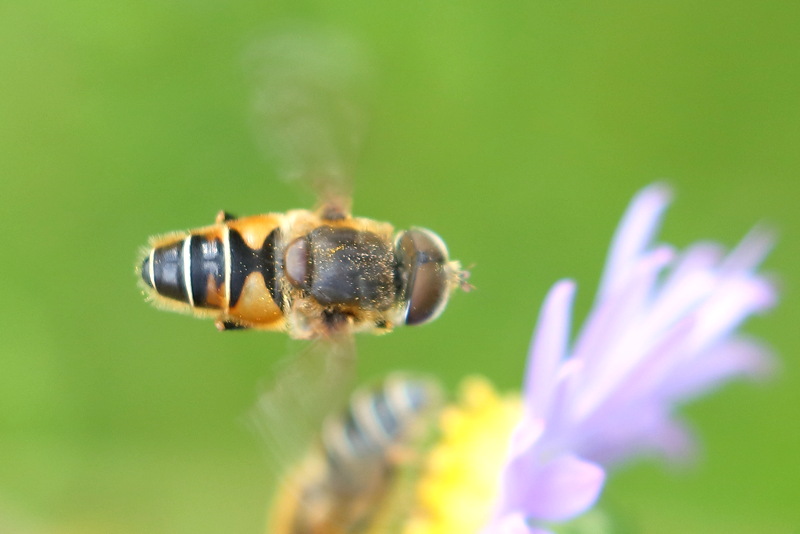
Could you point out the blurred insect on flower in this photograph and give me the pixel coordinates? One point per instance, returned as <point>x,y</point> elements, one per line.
<point>661,332</point>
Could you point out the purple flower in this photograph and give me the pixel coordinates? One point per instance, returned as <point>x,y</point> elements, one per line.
<point>662,331</point>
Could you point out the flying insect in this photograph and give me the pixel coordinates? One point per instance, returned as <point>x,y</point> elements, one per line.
<point>345,483</point>
<point>311,273</point>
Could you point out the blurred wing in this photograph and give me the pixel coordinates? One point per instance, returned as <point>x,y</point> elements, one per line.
<point>307,387</point>
<point>309,88</point>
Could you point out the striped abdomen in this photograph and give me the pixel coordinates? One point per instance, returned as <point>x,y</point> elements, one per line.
<point>342,487</point>
<point>227,270</point>
<point>374,422</point>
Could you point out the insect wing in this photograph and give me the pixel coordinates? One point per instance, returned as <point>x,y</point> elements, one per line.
<point>308,91</point>
<point>307,387</point>
<point>358,475</point>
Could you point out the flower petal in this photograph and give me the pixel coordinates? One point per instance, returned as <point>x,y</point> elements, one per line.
<point>637,431</point>
<point>622,345</point>
<point>548,347</point>
<point>661,331</point>
<point>732,358</point>
<point>554,491</point>
<point>636,384</point>
<point>734,299</point>
<point>633,234</point>
<point>751,251</point>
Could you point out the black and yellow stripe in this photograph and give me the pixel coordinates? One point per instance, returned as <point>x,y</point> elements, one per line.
<point>209,269</point>
<point>374,421</point>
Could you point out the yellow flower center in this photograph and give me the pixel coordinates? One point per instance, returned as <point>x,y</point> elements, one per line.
<point>460,481</point>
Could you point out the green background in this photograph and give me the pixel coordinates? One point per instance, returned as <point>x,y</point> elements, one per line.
<point>517,130</point>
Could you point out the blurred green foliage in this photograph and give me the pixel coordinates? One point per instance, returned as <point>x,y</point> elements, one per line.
<point>517,130</point>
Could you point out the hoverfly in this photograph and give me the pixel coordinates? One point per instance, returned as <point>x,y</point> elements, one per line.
<point>314,274</point>
<point>346,482</point>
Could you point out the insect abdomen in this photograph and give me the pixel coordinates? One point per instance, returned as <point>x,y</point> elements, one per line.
<point>359,442</point>
<point>228,267</point>
<point>189,270</point>
<point>342,487</point>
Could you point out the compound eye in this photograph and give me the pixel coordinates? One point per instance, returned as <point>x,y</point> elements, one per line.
<point>428,294</point>
<point>423,257</point>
